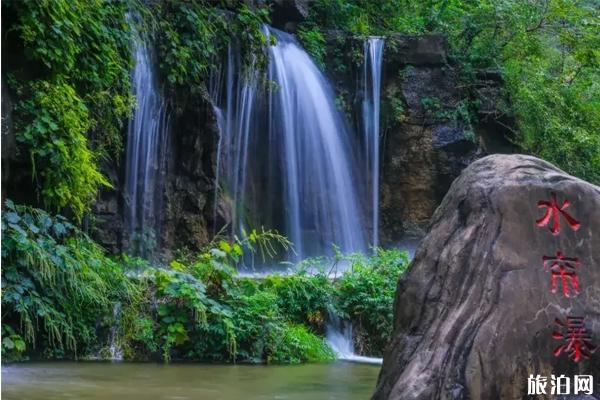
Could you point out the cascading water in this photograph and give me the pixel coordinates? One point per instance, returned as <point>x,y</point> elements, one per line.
<point>285,160</point>
<point>146,154</point>
<point>286,157</point>
<point>115,351</point>
<point>236,121</point>
<point>373,57</point>
<point>339,337</point>
<point>319,183</point>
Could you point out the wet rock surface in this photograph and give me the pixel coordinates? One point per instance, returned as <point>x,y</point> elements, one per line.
<point>185,217</point>
<point>475,313</point>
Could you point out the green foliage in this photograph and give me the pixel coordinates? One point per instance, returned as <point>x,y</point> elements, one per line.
<point>87,44</point>
<point>294,344</point>
<point>52,122</point>
<point>70,71</point>
<point>461,114</point>
<point>206,313</point>
<point>370,17</point>
<point>13,345</point>
<point>398,112</point>
<point>552,80</point>
<point>248,30</point>
<point>302,297</point>
<point>191,37</point>
<point>547,51</point>
<point>62,296</point>
<point>56,282</point>
<point>365,295</point>
<point>314,42</point>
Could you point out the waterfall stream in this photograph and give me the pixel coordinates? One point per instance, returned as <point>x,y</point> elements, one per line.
<point>339,337</point>
<point>146,154</point>
<point>285,153</point>
<point>373,57</point>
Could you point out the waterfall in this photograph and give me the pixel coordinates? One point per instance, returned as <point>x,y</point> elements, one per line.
<point>145,162</point>
<point>373,56</point>
<point>339,337</point>
<point>115,351</point>
<point>285,153</point>
<point>237,128</point>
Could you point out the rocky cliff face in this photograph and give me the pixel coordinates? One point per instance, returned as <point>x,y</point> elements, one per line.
<point>498,285</point>
<point>187,201</point>
<point>189,189</point>
<point>430,131</point>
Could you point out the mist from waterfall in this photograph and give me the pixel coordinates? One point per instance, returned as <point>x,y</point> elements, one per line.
<point>145,163</point>
<point>373,57</point>
<point>285,152</point>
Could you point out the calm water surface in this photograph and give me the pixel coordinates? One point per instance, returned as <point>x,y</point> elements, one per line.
<point>103,381</point>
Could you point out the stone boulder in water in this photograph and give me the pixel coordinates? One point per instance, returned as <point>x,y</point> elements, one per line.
<point>475,314</point>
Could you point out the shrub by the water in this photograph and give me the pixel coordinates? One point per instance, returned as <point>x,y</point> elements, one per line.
<point>365,296</point>
<point>58,287</point>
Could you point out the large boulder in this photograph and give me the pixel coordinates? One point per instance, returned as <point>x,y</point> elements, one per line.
<point>475,314</point>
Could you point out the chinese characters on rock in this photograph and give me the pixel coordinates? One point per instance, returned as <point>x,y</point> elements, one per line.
<point>575,337</point>
<point>576,341</point>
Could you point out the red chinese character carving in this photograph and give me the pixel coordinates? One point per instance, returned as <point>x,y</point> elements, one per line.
<point>553,210</point>
<point>578,340</point>
<point>565,269</point>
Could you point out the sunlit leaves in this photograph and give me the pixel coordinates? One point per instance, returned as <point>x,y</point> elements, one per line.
<point>53,123</point>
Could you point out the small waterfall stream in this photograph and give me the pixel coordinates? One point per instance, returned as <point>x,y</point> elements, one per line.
<point>339,333</point>
<point>146,154</point>
<point>373,57</point>
<point>339,337</point>
<point>115,351</point>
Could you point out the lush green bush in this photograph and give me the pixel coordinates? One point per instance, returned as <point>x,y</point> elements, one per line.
<point>57,284</point>
<point>365,296</point>
<point>303,298</point>
<point>293,344</point>
<point>52,122</point>
<point>204,312</point>
<point>314,42</point>
<point>192,36</point>
<point>85,43</point>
